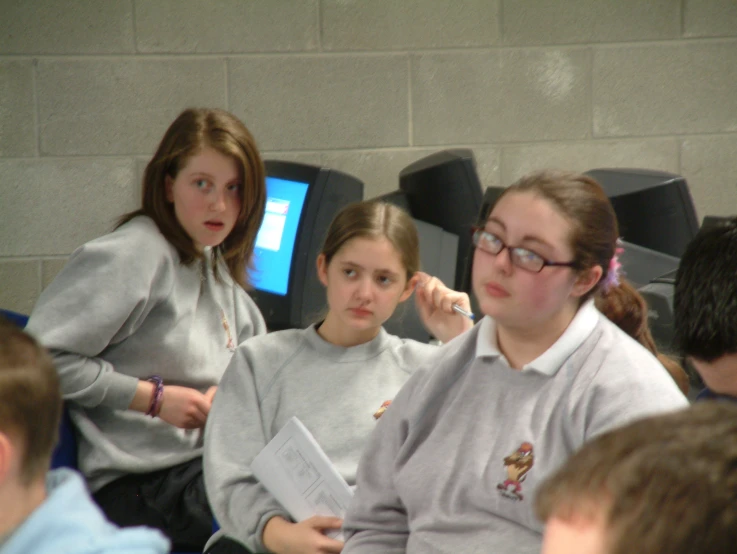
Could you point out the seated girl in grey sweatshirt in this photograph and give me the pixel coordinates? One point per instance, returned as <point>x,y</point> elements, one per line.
<point>142,323</point>
<point>334,375</point>
<point>455,461</point>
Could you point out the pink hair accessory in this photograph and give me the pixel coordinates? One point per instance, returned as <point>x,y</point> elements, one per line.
<point>615,266</point>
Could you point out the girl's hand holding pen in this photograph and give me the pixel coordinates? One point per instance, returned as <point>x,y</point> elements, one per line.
<point>438,308</point>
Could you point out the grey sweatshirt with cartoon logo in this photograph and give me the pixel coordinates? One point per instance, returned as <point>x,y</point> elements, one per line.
<point>454,463</point>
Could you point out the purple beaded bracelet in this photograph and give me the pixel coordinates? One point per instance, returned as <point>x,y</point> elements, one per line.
<point>153,409</point>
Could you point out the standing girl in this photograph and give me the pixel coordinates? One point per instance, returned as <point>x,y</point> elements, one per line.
<point>335,376</point>
<point>455,461</point>
<point>142,323</point>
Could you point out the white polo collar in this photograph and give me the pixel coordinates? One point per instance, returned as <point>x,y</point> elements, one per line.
<point>550,361</point>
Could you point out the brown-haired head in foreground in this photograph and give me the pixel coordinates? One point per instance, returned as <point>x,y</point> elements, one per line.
<point>371,219</point>
<point>30,399</point>
<point>582,201</point>
<point>627,308</point>
<point>662,485</point>
<point>192,130</point>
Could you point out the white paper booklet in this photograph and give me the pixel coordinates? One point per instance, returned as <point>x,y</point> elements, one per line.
<point>294,468</point>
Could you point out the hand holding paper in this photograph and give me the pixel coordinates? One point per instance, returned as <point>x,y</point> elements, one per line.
<point>294,468</point>
<point>307,536</point>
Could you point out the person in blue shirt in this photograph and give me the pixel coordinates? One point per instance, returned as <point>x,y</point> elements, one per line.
<point>43,511</point>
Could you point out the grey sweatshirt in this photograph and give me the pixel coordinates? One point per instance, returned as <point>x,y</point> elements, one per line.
<point>455,461</point>
<point>333,390</point>
<point>122,309</point>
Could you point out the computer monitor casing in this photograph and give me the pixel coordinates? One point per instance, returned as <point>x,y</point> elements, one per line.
<point>654,208</point>
<point>328,191</point>
<point>443,189</point>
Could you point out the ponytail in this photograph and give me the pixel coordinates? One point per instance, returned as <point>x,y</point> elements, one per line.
<point>627,309</point>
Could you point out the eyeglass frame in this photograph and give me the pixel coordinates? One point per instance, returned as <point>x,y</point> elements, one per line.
<point>477,230</point>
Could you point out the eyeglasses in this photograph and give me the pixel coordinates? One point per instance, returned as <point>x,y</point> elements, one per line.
<point>520,257</point>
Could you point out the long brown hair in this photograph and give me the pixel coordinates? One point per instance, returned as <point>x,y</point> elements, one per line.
<point>371,219</point>
<point>627,308</point>
<point>192,130</point>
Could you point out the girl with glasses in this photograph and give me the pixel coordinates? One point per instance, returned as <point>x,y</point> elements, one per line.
<point>455,461</point>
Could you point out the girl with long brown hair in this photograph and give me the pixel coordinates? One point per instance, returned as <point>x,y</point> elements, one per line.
<point>143,321</point>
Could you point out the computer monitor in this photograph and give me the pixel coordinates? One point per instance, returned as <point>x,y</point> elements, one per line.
<point>443,189</point>
<point>654,208</point>
<point>642,265</point>
<point>301,203</point>
<point>489,198</point>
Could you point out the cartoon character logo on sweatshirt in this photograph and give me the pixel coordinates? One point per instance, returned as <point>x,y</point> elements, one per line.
<point>517,466</point>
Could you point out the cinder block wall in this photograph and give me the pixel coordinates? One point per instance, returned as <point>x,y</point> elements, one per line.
<point>87,87</point>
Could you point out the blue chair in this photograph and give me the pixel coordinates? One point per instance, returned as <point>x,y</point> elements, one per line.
<point>65,453</point>
<point>19,319</point>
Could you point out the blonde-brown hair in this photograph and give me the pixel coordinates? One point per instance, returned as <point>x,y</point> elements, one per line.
<point>371,219</point>
<point>662,485</point>
<point>582,201</point>
<point>192,130</point>
<point>30,399</point>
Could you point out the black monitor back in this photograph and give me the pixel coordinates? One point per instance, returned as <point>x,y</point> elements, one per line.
<point>443,189</point>
<point>654,208</point>
<point>328,192</point>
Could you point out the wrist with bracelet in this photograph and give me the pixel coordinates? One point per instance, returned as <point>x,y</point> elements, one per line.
<point>156,395</point>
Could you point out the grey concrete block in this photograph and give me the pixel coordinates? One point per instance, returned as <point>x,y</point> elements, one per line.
<point>379,169</point>
<point>392,25</point>
<point>455,97</point>
<point>50,207</point>
<point>193,26</point>
<point>141,164</point>
<point>49,269</point>
<point>659,154</point>
<point>508,96</point>
<point>488,166</point>
<point>17,128</point>
<point>20,284</point>
<point>66,27</point>
<point>710,18</point>
<point>663,89</point>
<point>530,22</point>
<point>309,158</point>
<point>708,164</point>
<point>104,106</point>
<point>321,102</point>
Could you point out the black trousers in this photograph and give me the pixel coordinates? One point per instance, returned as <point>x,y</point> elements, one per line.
<point>172,500</point>
<point>228,546</point>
